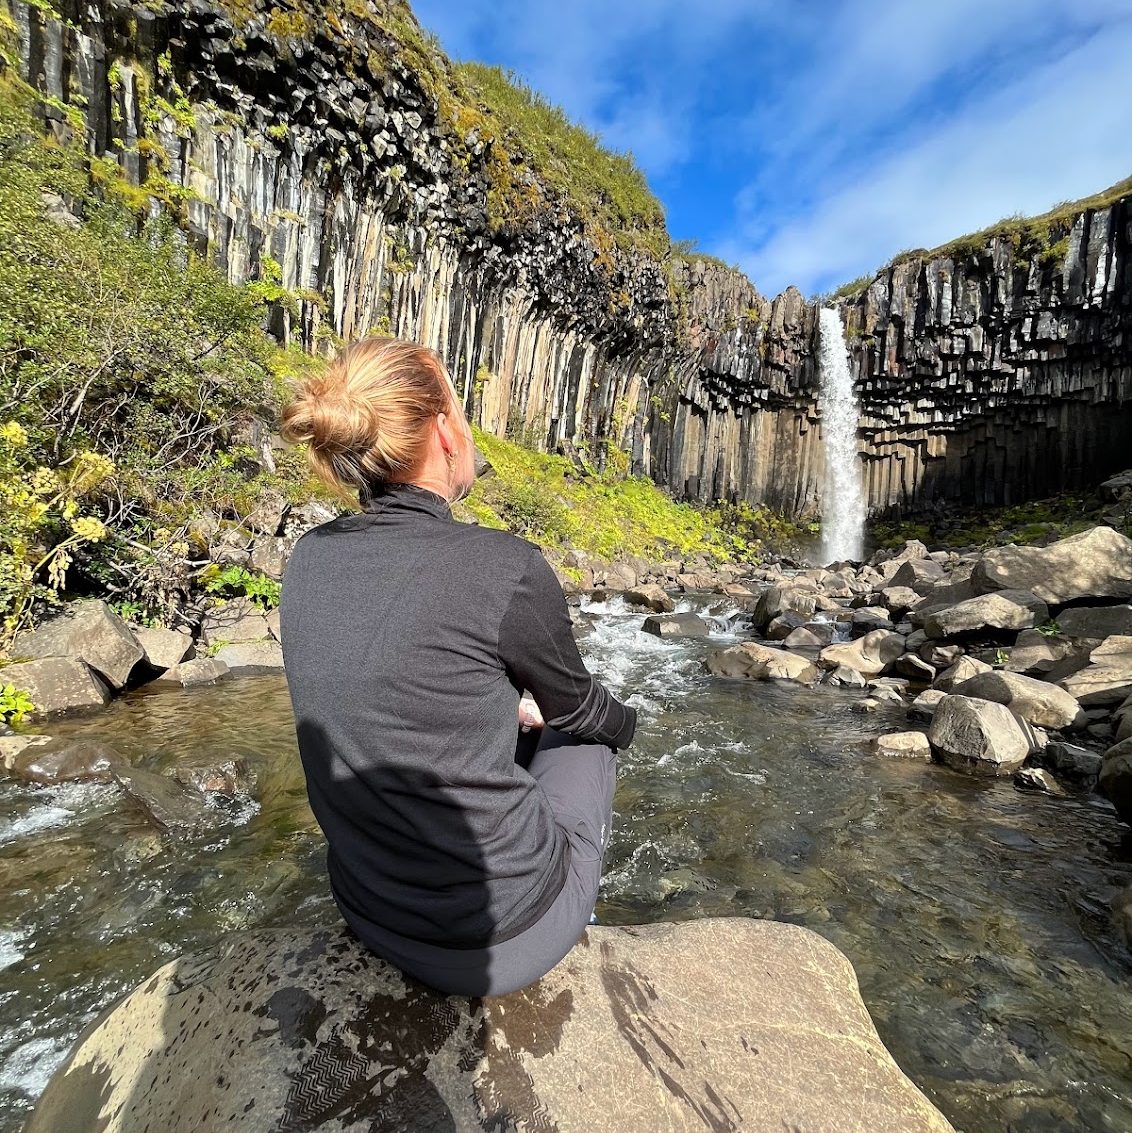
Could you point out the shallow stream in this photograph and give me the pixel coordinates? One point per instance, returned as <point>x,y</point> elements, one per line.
<point>975,915</point>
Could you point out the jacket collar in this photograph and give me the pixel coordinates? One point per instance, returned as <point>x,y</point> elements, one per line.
<point>378,498</point>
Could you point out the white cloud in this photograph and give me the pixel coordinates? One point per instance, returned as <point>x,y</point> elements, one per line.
<point>1058,132</point>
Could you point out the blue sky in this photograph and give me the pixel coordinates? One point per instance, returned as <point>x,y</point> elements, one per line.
<point>809,141</point>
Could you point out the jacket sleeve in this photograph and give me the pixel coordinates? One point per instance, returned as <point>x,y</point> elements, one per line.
<point>540,654</point>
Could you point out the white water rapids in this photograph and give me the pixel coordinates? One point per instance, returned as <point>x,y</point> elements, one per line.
<point>843,496</point>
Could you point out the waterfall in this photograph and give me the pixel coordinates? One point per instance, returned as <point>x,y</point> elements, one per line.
<point>843,497</point>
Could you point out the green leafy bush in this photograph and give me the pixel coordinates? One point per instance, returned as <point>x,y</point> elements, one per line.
<point>237,581</point>
<point>15,704</point>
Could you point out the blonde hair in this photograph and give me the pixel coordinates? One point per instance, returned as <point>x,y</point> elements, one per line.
<point>366,420</point>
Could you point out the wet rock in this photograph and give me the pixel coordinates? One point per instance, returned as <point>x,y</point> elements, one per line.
<point>915,668</point>
<point>227,777</point>
<point>252,658</point>
<point>1096,622</point>
<point>1035,779</point>
<point>58,684</point>
<point>1115,780</point>
<point>784,1044</point>
<point>814,635</point>
<point>886,694</point>
<point>169,806</point>
<point>198,671</point>
<point>1036,701</point>
<point>1107,678</point>
<point>1010,610</point>
<point>924,706</point>
<point>844,677</point>
<point>163,648</point>
<point>1069,761</point>
<point>870,655</point>
<point>867,706</point>
<point>904,745</point>
<point>980,736</point>
<point>869,618</point>
<point>652,597</point>
<point>963,670</point>
<point>676,625</point>
<point>752,661</point>
<point>67,761</point>
<point>239,619</point>
<point>1095,564</point>
<point>12,746</point>
<point>89,631</point>
<point>785,624</point>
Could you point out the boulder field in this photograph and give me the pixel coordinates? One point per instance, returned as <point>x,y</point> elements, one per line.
<point>712,1024</point>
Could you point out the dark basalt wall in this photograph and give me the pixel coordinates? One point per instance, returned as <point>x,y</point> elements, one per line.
<point>986,379</point>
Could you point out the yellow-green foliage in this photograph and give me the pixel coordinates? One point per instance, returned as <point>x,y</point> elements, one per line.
<point>547,499</point>
<point>607,188</point>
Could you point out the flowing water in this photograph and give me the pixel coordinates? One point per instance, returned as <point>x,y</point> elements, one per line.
<point>843,504</point>
<point>975,915</point>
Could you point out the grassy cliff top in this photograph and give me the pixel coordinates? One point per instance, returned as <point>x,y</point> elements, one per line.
<point>1045,236</point>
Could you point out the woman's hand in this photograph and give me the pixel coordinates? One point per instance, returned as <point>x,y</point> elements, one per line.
<point>529,714</point>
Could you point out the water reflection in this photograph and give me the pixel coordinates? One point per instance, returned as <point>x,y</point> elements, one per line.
<point>976,916</point>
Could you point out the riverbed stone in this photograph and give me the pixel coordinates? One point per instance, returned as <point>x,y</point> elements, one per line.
<point>1096,622</point>
<point>915,668</point>
<point>1107,678</point>
<point>198,671</point>
<point>919,575</point>
<point>898,600</point>
<point>844,677</point>
<point>985,613</point>
<point>1094,564</point>
<point>676,625</point>
<point>233,776</point>
<point>163,648</point>
<point>870,655</point>
<point>980,736</point>
<point>813,635</point>
<point>89,631</point>
<point>67,761</point>
<point>58,684</point>
<point>168,805</point>
<point>727,1023</point>
<point>252,658</point>
<point>1069,761</point>
<point>238,619</point>
<point>1036,654</point>
<point>777,600</point>
<point>1037,779</point>
<point>904,745</point>
<point>755,662</point>
<point>1115,780</point>
<point>963,670</point>
<point>13,745</point>
<point>1036,701</point>
<point>781,627</point>
<point>924,706</point>
<point>652,597</point>
<point>868,618</point>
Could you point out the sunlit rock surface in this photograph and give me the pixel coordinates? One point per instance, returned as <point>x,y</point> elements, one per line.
<point>714,1024</point>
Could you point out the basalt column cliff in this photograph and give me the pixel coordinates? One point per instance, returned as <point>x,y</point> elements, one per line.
<point>337,150</point>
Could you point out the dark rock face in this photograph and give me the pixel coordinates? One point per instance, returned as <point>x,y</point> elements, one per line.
<point>716,1024</point>
<point>985,377</point>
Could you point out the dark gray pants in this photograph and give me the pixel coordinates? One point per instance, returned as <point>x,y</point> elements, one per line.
<point>578,780</point>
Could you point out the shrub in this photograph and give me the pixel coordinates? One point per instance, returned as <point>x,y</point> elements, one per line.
<point>238,581</point>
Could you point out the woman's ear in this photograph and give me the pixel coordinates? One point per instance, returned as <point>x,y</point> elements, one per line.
<point>446,434</point>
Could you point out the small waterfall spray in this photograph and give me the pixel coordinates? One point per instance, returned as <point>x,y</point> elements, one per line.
<point>843,495</point>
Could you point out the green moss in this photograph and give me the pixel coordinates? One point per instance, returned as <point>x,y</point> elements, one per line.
<point>550,501</point>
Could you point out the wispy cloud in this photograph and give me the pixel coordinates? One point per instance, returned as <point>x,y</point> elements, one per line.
<point>810,142</point>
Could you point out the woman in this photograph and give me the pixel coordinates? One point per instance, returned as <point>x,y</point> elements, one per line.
<point>408,638</point>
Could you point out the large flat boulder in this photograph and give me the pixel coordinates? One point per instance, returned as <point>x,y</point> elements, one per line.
<point>710,1024</point>
<point>163,648</point>
<point>980,736</point>
<point>1095,564</point>
<point>1107,678</point>
<point>870,655</point>
<point>238,619</point>
<point>986,613</point>
<point>89,631</point>
<point>652,597</point>
<point>754,662</point>
<point>58,684</point>
<point>1037,702</point>
<point>676,625</point>
<point>252,658</point>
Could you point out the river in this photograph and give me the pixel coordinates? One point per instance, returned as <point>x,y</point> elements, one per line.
<point>975,915</point>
